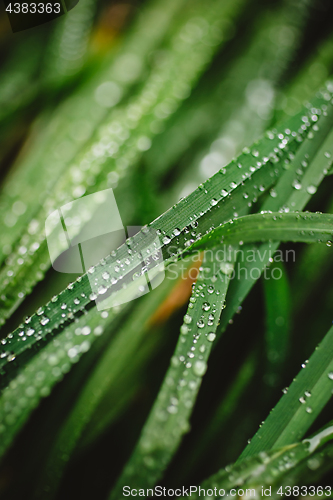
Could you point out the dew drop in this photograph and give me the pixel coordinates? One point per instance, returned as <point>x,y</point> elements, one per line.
<point>297,185</point>
<point>86,330</point>
<point>211,337</point>
<point>311,189</point>
<point>166,240</point>
<point>187,319</point>
<point>199,368</point>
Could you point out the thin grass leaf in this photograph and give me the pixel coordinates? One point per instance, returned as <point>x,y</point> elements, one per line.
<point>299,407</point>
<point>121,352</point>
<point>273,468</point>
<point>208,437</point>
<point>168,420</point>
<point>299,227</point>
<point>278,324</point>
<point>310,165</point>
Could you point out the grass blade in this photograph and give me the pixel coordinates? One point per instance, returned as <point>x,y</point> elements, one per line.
<point>299,407</point>
<point>168,420</point>
<point>299,227</point>
<point>278,323</point>
<point>273,468</point>
<point>310,164</point>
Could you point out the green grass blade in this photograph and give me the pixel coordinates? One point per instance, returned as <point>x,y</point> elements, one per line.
<point>299,407</point>
<point>309,165</point>
<point>278,323</point>
<point>273,468</point>
<point>121,352</point>
<point>299,227</point>
<point>168,420</point>
<point>210,433</point>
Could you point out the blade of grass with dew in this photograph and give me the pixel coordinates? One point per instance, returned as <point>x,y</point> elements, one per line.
<point>225,410</point>
<point>304,227</point>
<point>309,472</point>
<point>310,163</point>
<point>223,194</point>
<point>168,420</point>
<point>119,354</point>
<point>239,289</point>
<point>278,301</point>
<point>60,137</point>
<point>299,407</point>
<point>272,468</point>
<point>48,366</point>
<point>120,142</point>
<point>49,363</point>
